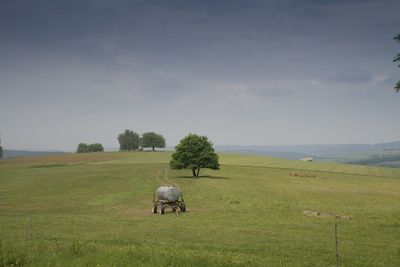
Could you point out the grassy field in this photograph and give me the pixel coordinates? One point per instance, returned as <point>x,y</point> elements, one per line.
<point>94,210</point>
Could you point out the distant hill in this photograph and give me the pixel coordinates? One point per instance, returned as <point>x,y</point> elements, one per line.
<point>262,150</point>
<point>340,152</point>
<point>26,153</point>
<point>319,149</point>
<point>390,161</point>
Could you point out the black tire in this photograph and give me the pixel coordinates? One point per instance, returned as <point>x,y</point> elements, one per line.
<point>154,208</point>
<point>183,207</point>
<point>162,209</point>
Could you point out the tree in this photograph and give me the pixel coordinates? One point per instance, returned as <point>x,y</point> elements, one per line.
<point>96,147</point>
<point>396,59</point>
<point>84,148</point>
<point>153,140</point>
<point>194,152</point>
<point>397,87</point>
<point>128,140</point>
<point>1,150</point>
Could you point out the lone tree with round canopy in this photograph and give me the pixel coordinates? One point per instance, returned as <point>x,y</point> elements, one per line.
<point>194,152</point>
<point>153,140</point>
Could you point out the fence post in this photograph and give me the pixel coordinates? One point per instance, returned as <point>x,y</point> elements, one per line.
<point>336,246</point>
<point>30,227</point>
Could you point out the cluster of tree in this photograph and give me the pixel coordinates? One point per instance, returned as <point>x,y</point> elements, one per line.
<point>130,140</point>
<point>1,152</point>
<point>397,59</point>
<point>194,152</point>
<point>83,148</point>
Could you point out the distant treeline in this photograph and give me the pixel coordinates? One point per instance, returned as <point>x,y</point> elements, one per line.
<point>83,148</point>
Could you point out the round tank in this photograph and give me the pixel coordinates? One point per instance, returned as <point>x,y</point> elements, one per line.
<point>168,193</point>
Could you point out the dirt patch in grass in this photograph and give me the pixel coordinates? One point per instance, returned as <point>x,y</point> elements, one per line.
<point>5,207</point>
<point>68,158</point>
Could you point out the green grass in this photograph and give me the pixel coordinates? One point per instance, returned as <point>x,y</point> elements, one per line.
<point>94,210</point>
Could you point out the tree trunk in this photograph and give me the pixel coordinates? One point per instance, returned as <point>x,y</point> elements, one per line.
<point>198,171</point>
<point>153,148</point>
<point>194,172</point>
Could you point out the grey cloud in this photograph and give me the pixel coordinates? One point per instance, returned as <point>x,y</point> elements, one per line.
<point>272,91</point>
<point>353,75</point>
<point>392,79</point>
<point>281,93</point>
<point>186,34</point>
<point>161,86</point>
<point>123,61</point>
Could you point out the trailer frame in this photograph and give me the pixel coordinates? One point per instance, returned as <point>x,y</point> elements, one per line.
<point>160,205</point>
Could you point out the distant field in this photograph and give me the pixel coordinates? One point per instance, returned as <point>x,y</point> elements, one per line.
<point>231,159</point>
<point>263,161</point>
<point>94,210</point>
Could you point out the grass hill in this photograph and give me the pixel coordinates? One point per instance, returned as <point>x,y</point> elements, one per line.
<point>317,150</point>
<point>94,210</point>
<point>340,153</point>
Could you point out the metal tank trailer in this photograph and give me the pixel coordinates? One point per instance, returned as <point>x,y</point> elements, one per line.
<point>168,196</point>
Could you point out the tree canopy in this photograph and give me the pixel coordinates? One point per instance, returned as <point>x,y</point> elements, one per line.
<point>194,152</point>
<point>153,140</point>
<point>83,148</point>
<point>397,59</point>
<point>1,152</point>
<point>128,140</point>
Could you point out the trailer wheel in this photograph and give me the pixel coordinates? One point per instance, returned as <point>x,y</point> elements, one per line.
<point>154,208</point>
<point>162,208</point>
<point>183,207</point>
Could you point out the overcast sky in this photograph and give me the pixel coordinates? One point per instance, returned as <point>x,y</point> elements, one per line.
<point>241,72</point>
